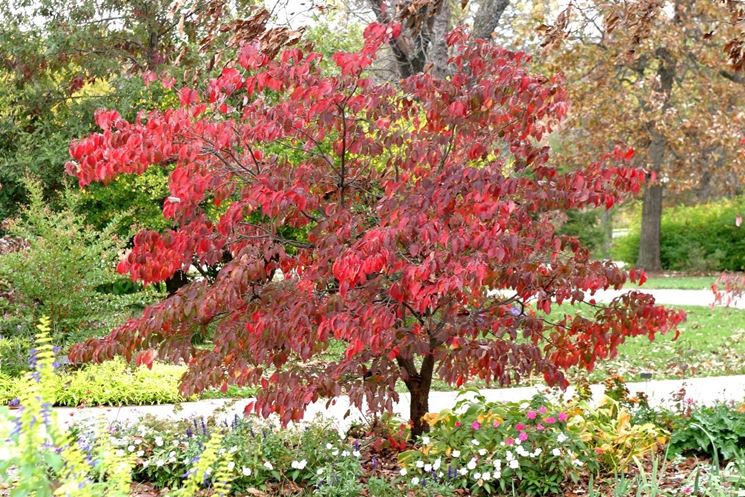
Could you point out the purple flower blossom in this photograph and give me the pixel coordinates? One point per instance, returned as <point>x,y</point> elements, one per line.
<point>476,425</point>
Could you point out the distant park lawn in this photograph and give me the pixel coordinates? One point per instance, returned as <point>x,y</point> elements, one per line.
<point>711,343</point>
<point>677,282</point>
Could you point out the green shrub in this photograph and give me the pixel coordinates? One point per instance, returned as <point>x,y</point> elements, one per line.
<point>63,274</point>
<point>695,238</point>
<point>587,225</point>
<point>705,428</point>
<point>111,383</point>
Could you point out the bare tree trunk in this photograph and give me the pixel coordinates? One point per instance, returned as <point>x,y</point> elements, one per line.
<point>649,243</point>
<point>419,385</point>
<point>440,28</point>
<point>487,17</point>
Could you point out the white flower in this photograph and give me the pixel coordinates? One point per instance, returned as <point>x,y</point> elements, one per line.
<point>425,440</point>
<point>329,446</point>
<point>556,452</point>
<point>578,463</point>
<point>320,471</point>
<point>471,464</point>
<point>475,442</point>
<point>521,451</point>
<point>508,455</point>
<point>403,472</point>
<point>518,442</point>
<point>119,453</point>
<point>298,464</point>
<point>159,462</point>
<point>497,463</point>
<point>427,468</point>
<point>415,481</point>
<point>159,441</point>
<point>335,452</point>
<point>138,441</point>
<point>440,474</point>
<point>246,471</point>
<point>514,464</point>
<point>477,476</point>
<point>356,453</point>
<point>345,453</point>
<point>561,438</point>
<point>437,464</point>
<point>482,452</point>
<point>486,476</point>
<point>463,471</point>
<point>456,453</point>
<point>420,464</point>
<point>268,465</point>
<point>231,466</point>
<point>524,405</point>
<point>131,448</point>
<point>537,452</point>
<point>497,475</point>
<point>233,450</point>
<point>140,453</point>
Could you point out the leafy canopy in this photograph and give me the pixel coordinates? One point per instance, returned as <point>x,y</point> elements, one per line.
<point>414,223</point>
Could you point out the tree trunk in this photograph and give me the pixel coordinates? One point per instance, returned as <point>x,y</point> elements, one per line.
<point>649,243</point>
<point>487,17</point>
<point>176,281</point>
<point>419,385</point>
<point>419,407</point>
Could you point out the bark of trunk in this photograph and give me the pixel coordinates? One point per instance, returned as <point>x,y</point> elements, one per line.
<point>649,243</point>
<point>419,385</point>
<point>419,407</point>
<point>487,17</point>
<point>176,281</point>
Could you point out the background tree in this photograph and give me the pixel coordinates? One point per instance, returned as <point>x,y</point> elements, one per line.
<point>407,205</point>
<point>61,60</point>
<point>654,75</point>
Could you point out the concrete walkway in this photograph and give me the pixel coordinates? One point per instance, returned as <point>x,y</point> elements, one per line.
<point>669,297</point>
<point>700,390</point>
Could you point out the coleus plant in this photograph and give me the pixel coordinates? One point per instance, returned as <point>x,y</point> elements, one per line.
<point>414,222</point>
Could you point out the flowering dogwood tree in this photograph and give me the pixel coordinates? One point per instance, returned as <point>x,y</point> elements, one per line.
<point>414,223</point>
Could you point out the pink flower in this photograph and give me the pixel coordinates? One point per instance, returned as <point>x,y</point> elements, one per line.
<point>549,420</point>
<point>687,490</point>
<point>539,427</point>
<point>563,416</point>
<point>510,441</point>
<point>520,427</point>
<point>496,424</point>
<point>542,410</point>
<point>523,436</point>
<point>531,415</point>
<point>457,424</point>
<point>475,425</point>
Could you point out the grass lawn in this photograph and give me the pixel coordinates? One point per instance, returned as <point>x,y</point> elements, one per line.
<point>677,282</point>
<point>711,343</point>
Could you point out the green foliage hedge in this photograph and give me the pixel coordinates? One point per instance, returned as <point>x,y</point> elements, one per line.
<point>111,383</point>
<point>695,238</point>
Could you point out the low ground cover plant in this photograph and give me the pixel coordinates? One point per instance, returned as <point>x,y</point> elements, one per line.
<point>111,383</point>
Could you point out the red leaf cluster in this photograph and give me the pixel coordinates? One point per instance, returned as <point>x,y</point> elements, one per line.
<point>428,221</point>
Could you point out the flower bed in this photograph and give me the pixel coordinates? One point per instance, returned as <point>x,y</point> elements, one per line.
<point>546,446</point>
